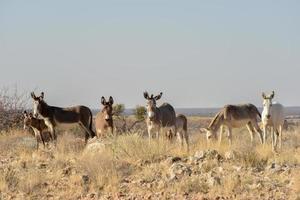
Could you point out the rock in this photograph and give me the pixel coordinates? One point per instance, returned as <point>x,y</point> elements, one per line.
<point>178,170</point>
<point>67,171</point>
<point>213,181</point>
<point>230,155</point>
<point>94,146</point>
<point>199,155</point>
<point>170,160</point>
<point>207,154</point>
<point>275,168</point>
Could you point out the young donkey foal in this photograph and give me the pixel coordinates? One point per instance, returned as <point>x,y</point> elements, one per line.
<point>54,116</point>
<point>38,126</point>
<point>159,117</point>
<point>182,134</point>
<point>104,119</point>
<point>235,116</point>
<point>273,119</point>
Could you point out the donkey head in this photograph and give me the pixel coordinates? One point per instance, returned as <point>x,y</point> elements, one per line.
<point>107,108</point>
<point>267,103</point>
<point>210,133</point>
<point>38,103</point>
<point>151,104</point>
<point>27,119</point>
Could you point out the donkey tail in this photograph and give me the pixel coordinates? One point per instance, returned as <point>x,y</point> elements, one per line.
<point>91,124</point>
<point>184,119</point>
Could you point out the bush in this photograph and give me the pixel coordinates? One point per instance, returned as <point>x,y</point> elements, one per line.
<point>12,104</point>
<point>118,109</point>
<point>140,112</point>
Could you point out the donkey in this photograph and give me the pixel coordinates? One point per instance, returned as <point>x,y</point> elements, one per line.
<point>182,134</point>
<point>104,119</point>
<point>272,118</point>
<point>38,126</point>
<point>158,117</point>
<point>234,116</point>
<point>54,116</point>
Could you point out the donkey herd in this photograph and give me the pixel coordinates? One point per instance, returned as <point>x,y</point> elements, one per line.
<point>159,119</point>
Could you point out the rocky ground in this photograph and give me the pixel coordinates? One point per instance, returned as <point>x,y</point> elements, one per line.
<point>128,167</point>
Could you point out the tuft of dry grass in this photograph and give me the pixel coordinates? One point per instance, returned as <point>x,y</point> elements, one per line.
<point>102,169</point>
<point>191,185</point>
<point>133,147</point>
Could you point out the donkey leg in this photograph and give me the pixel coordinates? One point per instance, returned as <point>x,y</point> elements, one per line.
<point>36,135</point>
<point>280,136</point>
<point>272,137</point>
<point>229,135</point>
<point>221,132</point>
<point>265,134</point>
<point>87,133</point>
<point>52,130</point>
<point>251,130</point>
<point>42,138</point>
<point>258,131</point>
<point>180,137</point>
<point>37,143</point>
<point>276,133</point>
<point>149,133</point>
<point>157,134</point>
<point>186,137</point>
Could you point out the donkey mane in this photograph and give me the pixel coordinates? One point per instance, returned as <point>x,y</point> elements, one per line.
<point>215,119</point>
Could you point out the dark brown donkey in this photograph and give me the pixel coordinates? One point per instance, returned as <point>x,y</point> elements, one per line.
<point>54,116</point>
<point>159,117</point>
<point>104,119</point>
<point>38,126</point>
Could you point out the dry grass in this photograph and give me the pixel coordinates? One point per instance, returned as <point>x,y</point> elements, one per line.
<point>69,172</point>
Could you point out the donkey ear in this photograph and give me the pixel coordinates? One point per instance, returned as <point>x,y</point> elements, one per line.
<point>33,95</point>
<point>111,100</point>
<point>146,95</point>
<point>103,101</point>
<point>272,95</point>
<point>263,95</point>
<point>158,96</point>
<point>42,96</point>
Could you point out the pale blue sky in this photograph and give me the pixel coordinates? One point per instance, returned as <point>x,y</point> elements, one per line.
<point>199,53</point>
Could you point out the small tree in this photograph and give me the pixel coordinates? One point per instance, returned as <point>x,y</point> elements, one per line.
<point>140,113</point>
<point>118,109</point>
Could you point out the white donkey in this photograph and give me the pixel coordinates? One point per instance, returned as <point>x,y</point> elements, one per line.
<point>272,119</point>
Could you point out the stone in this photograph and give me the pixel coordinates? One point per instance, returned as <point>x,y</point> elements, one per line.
<point>178,170</point>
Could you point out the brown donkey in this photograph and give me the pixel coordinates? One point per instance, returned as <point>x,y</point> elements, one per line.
<point>159,117</point>
<point>104,119</point>
<point>235,116</point>
<point>182,134</point>
<point>54,116</point>
<point>38,126</point>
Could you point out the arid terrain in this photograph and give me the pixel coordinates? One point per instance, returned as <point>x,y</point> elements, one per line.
<point>128,167</point>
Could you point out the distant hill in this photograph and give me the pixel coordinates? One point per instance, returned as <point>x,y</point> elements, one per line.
<point>293,111</point>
